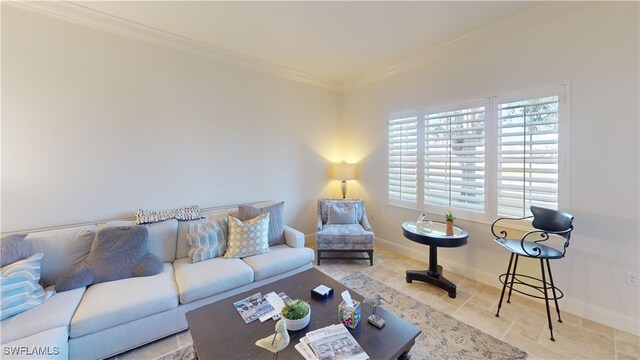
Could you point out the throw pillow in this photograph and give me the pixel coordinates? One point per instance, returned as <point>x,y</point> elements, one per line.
<point>342,214</point>
<point>247,238</point>
<point>13,248</point>
<point>118,252</point>
<point>20,288</point>
<point>207,241</point>
<point>276,230</point>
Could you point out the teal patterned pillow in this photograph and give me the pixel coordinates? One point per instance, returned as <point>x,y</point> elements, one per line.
<point>20,288</point>
<point>248,238</point>
<point>207,241</point>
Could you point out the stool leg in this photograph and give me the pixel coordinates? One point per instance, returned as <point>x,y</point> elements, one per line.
<point>513,276</point>
<point>553,288</point>
<point>546,298</point>
<point>504,286</point>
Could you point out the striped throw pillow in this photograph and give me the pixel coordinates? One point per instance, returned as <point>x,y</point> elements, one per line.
<point>20,288</point>
<point>207,241</point>
<point>248,238</point>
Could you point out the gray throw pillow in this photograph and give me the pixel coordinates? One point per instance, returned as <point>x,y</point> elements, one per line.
<point>118,252</point>
<point>276,226</point>
<point>342,214</point>
<point>13,248</point>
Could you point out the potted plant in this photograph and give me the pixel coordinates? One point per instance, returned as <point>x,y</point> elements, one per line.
<point>296,314</point>
<point>449,217</point>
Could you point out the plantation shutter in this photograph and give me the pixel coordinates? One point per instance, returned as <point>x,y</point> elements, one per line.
<point>527,155</point>
<point>403,159</point>
<point>454,162</point>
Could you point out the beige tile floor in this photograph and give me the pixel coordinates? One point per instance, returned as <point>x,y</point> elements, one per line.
<point>522,323</point>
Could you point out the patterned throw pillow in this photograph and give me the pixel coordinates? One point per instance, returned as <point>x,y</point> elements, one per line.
<point>20,288</point>
<point>247,238</point>
<point>207,241</point>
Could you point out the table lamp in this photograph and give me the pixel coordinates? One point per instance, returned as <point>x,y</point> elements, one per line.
<point>344,172</point>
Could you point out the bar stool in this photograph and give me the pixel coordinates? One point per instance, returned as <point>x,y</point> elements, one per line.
<point>546,224</point>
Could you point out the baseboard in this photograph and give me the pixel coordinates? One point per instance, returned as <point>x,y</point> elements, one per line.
<point>586,311</point>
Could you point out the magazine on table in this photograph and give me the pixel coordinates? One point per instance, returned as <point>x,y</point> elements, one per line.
<point>263,307</point>
<point>253,307</point>
<point>333,342</point>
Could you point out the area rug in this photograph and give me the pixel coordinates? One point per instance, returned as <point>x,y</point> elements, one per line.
<point>443,336</point>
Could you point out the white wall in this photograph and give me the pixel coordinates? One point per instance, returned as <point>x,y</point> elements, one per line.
<point>596,49</point>
<point>96,125</point>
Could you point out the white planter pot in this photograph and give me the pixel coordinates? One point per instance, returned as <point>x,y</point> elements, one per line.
<point>295,325</point>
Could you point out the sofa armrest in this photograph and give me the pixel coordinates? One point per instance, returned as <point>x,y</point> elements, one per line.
<point>293,237</point>
<point>319,223</point>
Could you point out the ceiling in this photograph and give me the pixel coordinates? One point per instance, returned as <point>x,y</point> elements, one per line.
<point>332,40</point>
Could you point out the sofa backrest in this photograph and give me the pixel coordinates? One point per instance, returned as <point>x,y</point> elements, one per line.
<point>162,237</point>
<point>62,249</point>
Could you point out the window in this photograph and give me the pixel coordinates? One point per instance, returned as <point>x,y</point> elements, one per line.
<point>454,158</point>
<point>482,159</point>
<point>403,159</point>
<point>527,166</point>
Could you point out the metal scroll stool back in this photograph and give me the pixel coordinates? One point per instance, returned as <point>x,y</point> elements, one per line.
<point>546,224</point>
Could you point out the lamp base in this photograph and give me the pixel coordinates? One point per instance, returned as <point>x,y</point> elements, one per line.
<point>344,189</point>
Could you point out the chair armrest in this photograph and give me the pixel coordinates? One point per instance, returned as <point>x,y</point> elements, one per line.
<point>498,223</point>
<point>293,237</point>
<point>365,221</point>
<point>319,223</point>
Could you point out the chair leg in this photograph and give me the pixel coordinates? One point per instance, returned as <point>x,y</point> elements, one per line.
<point>504,286</point>
<point>513,276</point>
<point>319,252</point>
<point>370,252</point>
<point>553,288</point>
<point>546,298</point>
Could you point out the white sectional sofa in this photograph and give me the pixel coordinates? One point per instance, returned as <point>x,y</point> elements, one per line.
<point>105,319</point>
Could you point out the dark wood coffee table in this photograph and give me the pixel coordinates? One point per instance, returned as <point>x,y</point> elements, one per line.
<point>219,332</point>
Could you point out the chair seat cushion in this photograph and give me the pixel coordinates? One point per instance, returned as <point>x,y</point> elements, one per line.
<point>54,312</point>
<point>210,277</point>
<point>344,237</point>
<point>515,246</point>
<point>112,303</point>
<point>279,259</point>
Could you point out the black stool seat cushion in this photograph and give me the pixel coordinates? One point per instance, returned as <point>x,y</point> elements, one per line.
<point>515,246</point>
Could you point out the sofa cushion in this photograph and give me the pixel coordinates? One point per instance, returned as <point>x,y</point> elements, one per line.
<point>116,253</point>
<point>247,238</point>
<point>13,248</point>
<point>162,237</point>
<point>20,287</point>
<point>279,259</point>
<point>276,232</point>
<point>50,344</point>
<point>210,277</point>
<point>62,249</point>
<point>113,303</point>
<point>54,312</point>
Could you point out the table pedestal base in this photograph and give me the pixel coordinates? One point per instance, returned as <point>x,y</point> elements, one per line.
<point>434,278</point>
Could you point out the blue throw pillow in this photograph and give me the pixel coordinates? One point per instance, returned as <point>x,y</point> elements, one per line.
<point>20,288</point>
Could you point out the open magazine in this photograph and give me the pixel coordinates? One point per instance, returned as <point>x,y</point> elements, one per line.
<point>263,307</point>
<point>333,342</point>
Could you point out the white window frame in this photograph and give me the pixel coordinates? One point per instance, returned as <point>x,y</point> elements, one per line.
<point>561,89</point>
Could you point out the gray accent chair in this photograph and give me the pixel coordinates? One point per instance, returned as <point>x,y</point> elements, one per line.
<point>344,238</point>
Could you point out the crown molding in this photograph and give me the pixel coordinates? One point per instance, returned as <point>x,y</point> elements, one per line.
<point>95,19</point>
<point>535,16</point>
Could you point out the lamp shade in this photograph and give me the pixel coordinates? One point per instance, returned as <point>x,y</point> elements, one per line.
<point>344,171</point>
